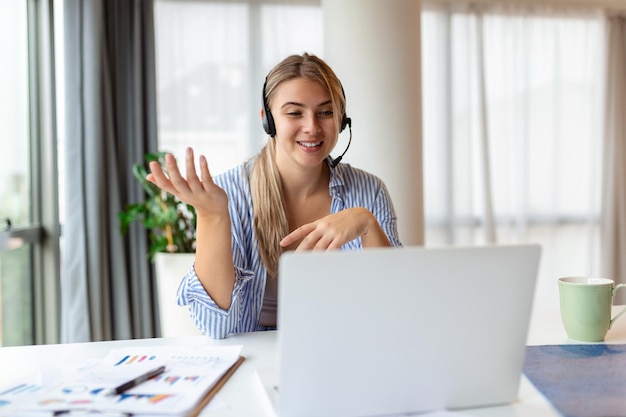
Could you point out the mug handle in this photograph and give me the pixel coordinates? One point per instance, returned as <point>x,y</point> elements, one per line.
<point>618,286</point>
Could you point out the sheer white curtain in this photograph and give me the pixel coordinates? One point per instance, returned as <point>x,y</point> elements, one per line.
<point>513,125</point>
<point>212,58</point>
<point>614,196</point>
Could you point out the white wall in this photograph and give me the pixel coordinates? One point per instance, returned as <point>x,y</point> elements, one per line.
<point>374,46</point>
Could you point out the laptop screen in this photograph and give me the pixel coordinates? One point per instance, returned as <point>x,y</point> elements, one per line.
<point>401,330</point>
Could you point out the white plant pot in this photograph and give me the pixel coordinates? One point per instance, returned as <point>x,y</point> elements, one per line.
<point>170,270</point>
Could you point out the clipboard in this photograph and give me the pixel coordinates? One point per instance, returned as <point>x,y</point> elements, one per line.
<point>218,385</point>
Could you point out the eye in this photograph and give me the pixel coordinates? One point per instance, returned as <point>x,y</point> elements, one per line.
<point>294,113</point>
<point>326,113</point>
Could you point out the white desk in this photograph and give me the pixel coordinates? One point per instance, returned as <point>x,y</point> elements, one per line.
<point>243,393</point>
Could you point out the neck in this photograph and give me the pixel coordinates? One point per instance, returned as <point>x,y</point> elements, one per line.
<point>303,183</point>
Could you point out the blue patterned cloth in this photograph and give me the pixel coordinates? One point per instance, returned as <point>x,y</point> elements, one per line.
<point>580,380</point>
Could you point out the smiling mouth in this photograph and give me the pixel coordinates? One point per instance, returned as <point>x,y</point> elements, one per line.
<point>310,144</point>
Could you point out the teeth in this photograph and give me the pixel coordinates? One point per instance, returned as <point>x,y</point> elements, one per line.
<point>310,144</point>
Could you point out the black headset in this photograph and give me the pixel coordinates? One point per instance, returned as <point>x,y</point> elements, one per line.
<point>268,119</point>
<point>270,127</point>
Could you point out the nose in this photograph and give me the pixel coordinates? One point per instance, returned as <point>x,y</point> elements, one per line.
<point>311,124</point>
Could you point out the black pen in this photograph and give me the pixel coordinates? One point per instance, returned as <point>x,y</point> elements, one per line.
<point>134,382</point>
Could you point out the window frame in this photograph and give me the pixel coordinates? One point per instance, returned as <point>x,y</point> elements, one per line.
<point>44,232</point>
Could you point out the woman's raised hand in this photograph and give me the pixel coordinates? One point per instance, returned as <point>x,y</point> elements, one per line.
<point>201,193</point>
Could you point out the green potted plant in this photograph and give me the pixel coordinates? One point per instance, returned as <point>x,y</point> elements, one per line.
<point>171,222</point>
<point>172,226</point>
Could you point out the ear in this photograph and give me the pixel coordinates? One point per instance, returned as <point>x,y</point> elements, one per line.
<point>262,113</point>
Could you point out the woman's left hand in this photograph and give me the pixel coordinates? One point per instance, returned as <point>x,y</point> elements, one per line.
<point>335,230</point>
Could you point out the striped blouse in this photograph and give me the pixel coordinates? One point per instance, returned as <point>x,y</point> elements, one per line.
<point>348,187</point>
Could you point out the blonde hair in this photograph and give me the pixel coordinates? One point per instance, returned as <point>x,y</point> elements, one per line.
<point>270,219</point>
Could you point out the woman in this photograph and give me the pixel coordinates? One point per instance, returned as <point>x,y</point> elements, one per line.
<point>292,196</point>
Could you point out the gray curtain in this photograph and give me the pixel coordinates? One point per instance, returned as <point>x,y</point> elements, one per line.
<point>613,244</point>
<point>107,288</point>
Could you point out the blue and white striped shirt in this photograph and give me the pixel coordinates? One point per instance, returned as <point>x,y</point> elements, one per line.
<point>348,187</point>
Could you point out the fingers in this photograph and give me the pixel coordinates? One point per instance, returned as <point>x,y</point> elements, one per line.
<point>177,180</point>
<point>332,231</point>
<point>157,176</point>
<point>317,241</point>
<point>173,181</point>
<point>315,236</point>
<point>194,183</point>
<point>298,234</point>
<point>205,174</point>
<point>308,235</point>
<point>190,165</point>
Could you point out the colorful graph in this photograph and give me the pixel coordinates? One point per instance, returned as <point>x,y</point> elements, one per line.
<point>52,401</point>
<point>128,359</point>
<point>189,373</point>
<point>173,379</point>
<point>151,398</point>
<point>65,401</point>
<point>20,389</point>
<point>75,389</point>
<point>97,391</point>
<point>189,360</point>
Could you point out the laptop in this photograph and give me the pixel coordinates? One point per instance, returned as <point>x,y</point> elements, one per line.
<point>392,331</point>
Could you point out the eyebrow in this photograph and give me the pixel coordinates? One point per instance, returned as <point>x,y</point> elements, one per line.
<point>293,103</point>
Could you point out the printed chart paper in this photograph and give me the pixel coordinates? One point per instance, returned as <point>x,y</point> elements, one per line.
<point>190,373</point>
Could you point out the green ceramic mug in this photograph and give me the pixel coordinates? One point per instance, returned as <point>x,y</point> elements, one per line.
<point>586,307</point>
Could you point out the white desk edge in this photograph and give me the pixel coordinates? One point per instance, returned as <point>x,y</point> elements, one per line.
<point>259,350</point>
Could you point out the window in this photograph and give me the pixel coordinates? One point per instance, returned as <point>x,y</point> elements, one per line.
<point>16,285</point>
<point>28,182</point>
<point>212,58</point>
<point>512,133</point>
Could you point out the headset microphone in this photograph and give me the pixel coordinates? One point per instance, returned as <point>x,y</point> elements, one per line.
<point>335,162</point>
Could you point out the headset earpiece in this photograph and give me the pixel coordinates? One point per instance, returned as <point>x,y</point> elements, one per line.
<point>268,119</point>
<point>344,122</point>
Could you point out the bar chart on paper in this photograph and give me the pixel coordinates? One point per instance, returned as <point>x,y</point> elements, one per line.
<point>129,360</point>
<point>190,372</point>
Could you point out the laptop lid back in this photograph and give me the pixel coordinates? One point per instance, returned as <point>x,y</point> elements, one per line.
<point>401,330</point>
